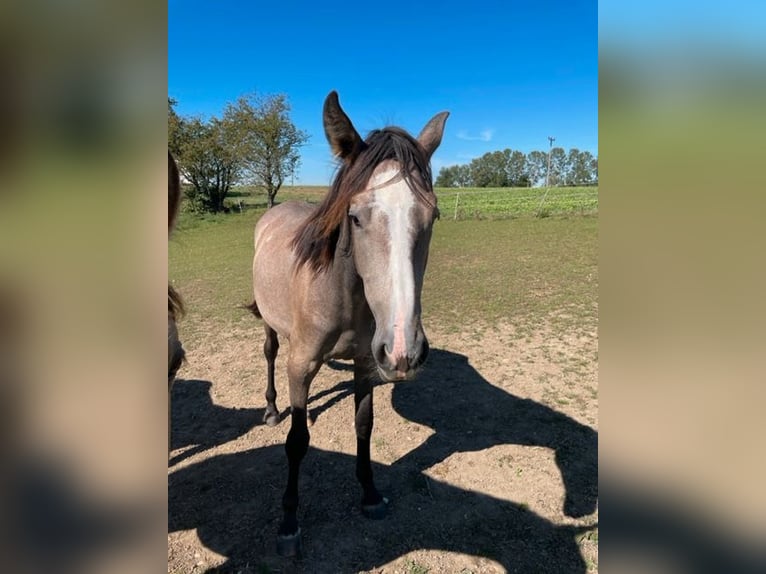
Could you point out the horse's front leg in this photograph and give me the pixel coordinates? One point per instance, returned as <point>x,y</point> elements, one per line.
<point>300,374</point>
<point>373,504</point>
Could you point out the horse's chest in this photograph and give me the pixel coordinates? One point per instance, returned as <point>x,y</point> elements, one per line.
<point>349,345</point>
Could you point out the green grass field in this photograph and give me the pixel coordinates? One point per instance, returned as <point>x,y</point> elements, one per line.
<point>460,203</point>
<point>522,270</point>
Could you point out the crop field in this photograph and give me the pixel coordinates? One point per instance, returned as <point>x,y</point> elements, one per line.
<point>489,456</point>
<point>478,203</point>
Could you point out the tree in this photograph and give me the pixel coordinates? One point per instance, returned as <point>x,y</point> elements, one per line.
<point>463,176</point>
<point>593,170</point>
<point>516,168</point>
<point>489,170</point>
<point>267,141</point>
<point>479,170</point>
<point>174,128</point>
<point>580,172</point>
<point>454,176</point>
<point>537,164</point>
<point>559,166</point>
<point>206,158</point>
<point>447,176</point>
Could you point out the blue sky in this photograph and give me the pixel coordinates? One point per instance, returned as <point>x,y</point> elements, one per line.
<point>510,73</point>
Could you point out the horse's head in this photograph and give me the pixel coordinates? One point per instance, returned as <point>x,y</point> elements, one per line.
<point>391,212</point>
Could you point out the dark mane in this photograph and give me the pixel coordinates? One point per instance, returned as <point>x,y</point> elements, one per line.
<point>316,239</point>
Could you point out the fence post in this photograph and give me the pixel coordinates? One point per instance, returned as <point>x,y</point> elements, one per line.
<point>542,201</point>
<point>457,201</point>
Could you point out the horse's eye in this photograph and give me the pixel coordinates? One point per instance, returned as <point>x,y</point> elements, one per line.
<point>354,220</point>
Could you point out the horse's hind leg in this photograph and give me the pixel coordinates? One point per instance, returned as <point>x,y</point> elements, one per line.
<point>270,349</point>
<point>373,504</point>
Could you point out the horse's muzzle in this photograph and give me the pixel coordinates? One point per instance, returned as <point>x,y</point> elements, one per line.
<point>401,367</point>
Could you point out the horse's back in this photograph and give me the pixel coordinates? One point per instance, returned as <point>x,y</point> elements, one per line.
<point>288,214</point>
<point>274,262</point>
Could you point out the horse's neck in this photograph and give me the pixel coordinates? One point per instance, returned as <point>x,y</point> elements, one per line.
<point>348,278</point>
<point>345,268</point>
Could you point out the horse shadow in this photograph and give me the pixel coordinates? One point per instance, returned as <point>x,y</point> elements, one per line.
<point>468,413</point>
<point>199,423</point>
<point>233,502</point>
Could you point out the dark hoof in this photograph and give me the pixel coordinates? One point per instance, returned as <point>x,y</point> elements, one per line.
<point>290,545</point>
<point>271,418</point>
<point>376,511</point>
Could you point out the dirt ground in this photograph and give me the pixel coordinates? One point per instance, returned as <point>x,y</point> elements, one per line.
<point>489,459</point>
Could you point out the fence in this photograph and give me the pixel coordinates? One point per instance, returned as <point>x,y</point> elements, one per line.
<point>477,203</point>
<point>462,203</point>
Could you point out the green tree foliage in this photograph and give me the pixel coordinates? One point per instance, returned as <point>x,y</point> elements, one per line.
<point>254,142</point>
<point>516,169</point>
<point>463,176</point>
<point>454,176</point>
<point>580,165</point>
<point>174,128</point>
<point>512,168</point>
<point>490,170</point>
<point>267,140</point>
<point>447,177</point>
<point>559,166</point>
<point>206,158</point>
<point>537,164</point>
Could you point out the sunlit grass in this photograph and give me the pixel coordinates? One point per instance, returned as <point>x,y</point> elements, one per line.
<point>480,272</point>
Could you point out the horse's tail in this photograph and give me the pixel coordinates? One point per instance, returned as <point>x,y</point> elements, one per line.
<point>175,304</point>
<point>253,308</point>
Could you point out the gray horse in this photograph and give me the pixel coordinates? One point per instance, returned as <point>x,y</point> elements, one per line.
<point>343,280</point>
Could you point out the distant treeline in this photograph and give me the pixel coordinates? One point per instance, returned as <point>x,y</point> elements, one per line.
<point>509,168</point>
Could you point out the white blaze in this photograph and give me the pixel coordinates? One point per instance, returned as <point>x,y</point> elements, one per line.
<point>396,201</point>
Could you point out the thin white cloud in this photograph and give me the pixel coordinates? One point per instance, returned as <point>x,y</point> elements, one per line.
<point>484,135</point>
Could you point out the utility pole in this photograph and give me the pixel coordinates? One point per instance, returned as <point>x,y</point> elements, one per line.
<point>551,139</point>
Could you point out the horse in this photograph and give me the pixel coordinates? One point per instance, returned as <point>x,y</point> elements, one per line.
<point>343,280</point>
<point>175,303</point>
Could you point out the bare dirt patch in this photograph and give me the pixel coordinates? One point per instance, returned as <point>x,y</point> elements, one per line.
<point>489,458</point>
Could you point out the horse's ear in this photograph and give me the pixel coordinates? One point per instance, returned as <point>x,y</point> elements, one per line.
<point>431,136</point>
<point>344,140</point>
<point>174,192</point>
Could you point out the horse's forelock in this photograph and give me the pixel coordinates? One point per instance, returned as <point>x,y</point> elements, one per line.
<point>316,239</point>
